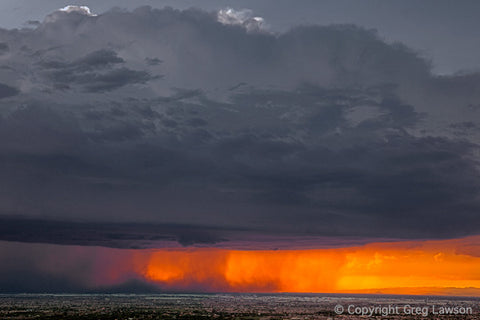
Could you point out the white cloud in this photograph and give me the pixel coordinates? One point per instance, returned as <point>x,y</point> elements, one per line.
<point>80,9</point>
<point>242,17</point>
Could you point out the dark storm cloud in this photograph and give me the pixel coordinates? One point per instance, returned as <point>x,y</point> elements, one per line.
<point>112,80</point>
<point>7,91</point>
<point>153,61</point>
<point>93,60</point>
<point>94,72</point>
<point>172,119</point>
<point>46,268</point>
<point>3,48</point>
<point>433,27</point>
<point>129,236</point>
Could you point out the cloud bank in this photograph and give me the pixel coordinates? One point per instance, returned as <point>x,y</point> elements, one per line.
<point>194,118</point>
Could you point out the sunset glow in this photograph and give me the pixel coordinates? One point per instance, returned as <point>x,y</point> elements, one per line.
<point>440,267</point>
<point>430,267</point>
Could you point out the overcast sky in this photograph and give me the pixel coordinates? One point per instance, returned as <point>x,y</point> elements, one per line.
<point>443,31</point>
<point>146,126</point>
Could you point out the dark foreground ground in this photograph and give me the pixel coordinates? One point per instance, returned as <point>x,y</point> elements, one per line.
<point>234,306</point>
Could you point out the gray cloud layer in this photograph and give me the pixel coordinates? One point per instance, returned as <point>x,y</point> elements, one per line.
<point>171,117</point>
<point>443,31</point>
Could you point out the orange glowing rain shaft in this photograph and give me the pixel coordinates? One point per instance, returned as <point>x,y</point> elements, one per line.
<point>403,267</point>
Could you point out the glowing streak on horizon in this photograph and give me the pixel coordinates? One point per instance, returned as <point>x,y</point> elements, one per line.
<point>427,267</point>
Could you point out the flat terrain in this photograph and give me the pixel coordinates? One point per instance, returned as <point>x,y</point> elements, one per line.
<point>234,306</point>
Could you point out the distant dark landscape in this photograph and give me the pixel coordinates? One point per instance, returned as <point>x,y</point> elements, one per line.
<point>234,306</point>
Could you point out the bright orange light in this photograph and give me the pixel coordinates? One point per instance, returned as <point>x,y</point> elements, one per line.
<point>423,267</point>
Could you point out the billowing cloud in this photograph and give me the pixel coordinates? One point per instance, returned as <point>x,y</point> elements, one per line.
<point>80,9</point>
<point>196,120</point>
<point>242,17</point>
